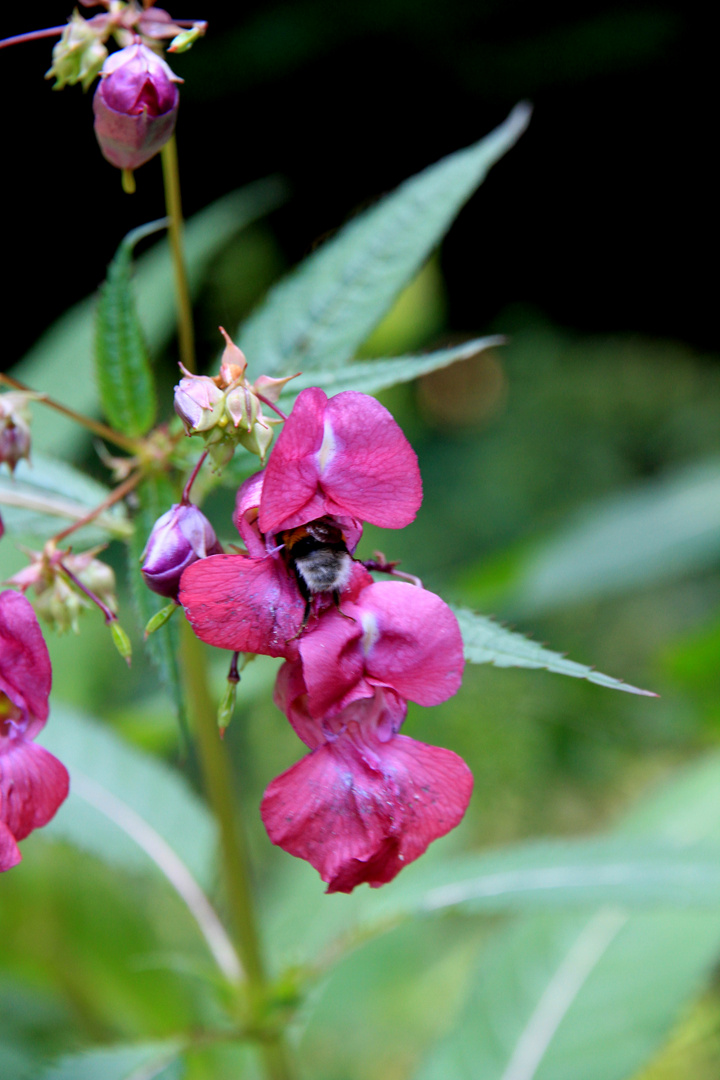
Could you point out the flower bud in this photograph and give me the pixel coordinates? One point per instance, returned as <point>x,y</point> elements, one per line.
<point>79,54</point>
<point>179,538</point>
<point>14,428</point>
<point>135,106</point>
<point>198,402</point>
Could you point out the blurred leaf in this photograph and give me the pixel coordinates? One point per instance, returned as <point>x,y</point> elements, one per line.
<point>61,363</point>
<point>155,496</point>
<point>590,996</point>
<point>148,787</point>
<point>593,995</point>
<point>371,376</point>
<point>122,364</point>
<point>487,642</point>
<point>152,1061</point>
<point>14,1062</point>
<point>318,317</point>
<point>563,873</point>
<point>666,529</point>
<point>39,494</point>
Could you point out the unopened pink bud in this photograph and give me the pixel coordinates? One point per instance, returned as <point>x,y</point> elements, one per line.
<point>178,539</point>
<point>135,106</point>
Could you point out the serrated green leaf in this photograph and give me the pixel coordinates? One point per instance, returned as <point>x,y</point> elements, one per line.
<point>316,319</point>
<point>61,362</point>
<point>666,529</point>
<point>122,363</point>
<point>149,788</point>
<point>42,498</point>
<point>150,1061</point>
<point>372,376</point>
<point>155,497</point>
<point>487,642</point>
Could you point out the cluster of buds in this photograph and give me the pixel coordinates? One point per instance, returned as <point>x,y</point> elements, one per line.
<point>227,409</point>
<point>64,584</point>
<point>14,427</point>
<point>79,55</point>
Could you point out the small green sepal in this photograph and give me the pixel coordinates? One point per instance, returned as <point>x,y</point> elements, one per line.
<point>121,640</point>
<point>160,618</point>
<point>227,706</point>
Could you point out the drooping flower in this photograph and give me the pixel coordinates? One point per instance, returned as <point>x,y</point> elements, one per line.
<point>135,105</point>
<point>178,539</point>
<point>342,457</point>
<point>33,783</point>
<point>336,463</point>
<point>366,801</point>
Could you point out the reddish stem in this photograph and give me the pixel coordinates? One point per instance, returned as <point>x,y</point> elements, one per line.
<point>32,35</point>
<point>119,493</point>
<point>193,476</point>
<point>110,616</point>
<point>270,405</point>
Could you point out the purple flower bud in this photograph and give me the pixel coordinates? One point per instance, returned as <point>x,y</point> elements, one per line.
<point>135,106</point>
<point>179,538</point>
<point>199,403</point>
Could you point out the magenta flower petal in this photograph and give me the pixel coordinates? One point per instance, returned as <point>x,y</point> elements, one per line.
<point>383,713</point>
<point>245,516</point>
<point>402,637</point>
<point>235,602</point>
<point>342,457</point>
<point>359,810</point>
<point>9,851</point>
<point>25,672</point>
<point>33,784</point>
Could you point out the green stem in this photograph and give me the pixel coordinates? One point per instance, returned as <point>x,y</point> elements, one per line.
<point>219,788</point>
<point>171,179</point>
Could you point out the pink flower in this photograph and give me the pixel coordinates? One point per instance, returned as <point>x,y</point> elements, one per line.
<point>366,801</point>
<point>33,783</point>
<point>345,457</point>
<point>253,603</point>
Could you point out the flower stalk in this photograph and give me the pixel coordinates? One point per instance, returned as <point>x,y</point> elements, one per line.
<point>218,785</point>
<point>173,203</point>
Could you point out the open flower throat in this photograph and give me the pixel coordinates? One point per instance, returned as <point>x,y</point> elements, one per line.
<point>366,800</point>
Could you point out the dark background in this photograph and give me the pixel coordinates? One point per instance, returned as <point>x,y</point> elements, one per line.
<point>600,218</point>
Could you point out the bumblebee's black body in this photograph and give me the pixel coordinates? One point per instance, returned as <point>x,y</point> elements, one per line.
<point>318,557</point>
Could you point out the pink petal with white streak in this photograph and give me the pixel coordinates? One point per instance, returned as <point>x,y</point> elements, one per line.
<point>346,456</point>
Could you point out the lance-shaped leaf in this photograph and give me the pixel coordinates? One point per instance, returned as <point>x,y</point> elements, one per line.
<point>487,642</point>
<point>316,319</point>
<point>61,362</point>
<point>122,363</point>
<point>40,499</point>
<point>147,1061</point>
<point>132,811</point>
<point>372,376</point>
<point>666,529</point>
<point>593,994</point>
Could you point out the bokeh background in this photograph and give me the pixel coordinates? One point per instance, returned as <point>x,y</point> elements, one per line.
<point>571,477</point>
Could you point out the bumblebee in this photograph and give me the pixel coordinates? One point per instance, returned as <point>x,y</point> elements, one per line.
<point>318,557</point>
